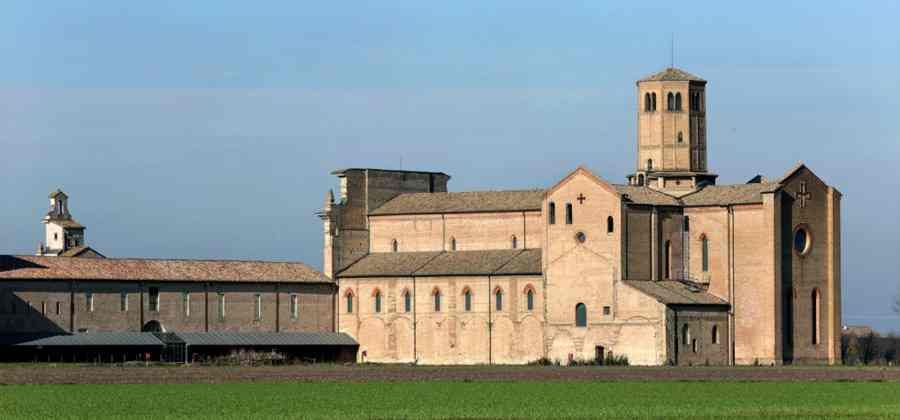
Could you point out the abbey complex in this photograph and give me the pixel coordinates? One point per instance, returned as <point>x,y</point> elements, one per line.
<point>668,267</point>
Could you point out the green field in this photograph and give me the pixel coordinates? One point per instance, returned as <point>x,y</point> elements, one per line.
<point>455,400</point>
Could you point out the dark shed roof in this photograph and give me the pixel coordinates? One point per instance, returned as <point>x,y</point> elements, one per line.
<point>451,263</point>
<point>675,293</point>
<point>100,339</point>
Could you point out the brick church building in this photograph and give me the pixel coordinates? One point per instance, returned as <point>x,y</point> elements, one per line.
<point>70,303</point>
<point>668,267</point>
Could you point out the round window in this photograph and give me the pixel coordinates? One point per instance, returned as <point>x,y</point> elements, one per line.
<point>580,237</point>
<point>802,240</point>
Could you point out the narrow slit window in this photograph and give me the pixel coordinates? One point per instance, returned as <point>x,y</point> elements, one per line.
<point>407,301</point>
<point>377,301</point>
<point>89,301</point>
<point>570,218</point>
<point>295,307</point>
<point>467,300</point>
<point>529,300</point>
<point>498,300</point>
<point>221,298</point>
<point>551,210</point>
<point>437,300</point>
<point>123,302</point>
<point>186,304</point>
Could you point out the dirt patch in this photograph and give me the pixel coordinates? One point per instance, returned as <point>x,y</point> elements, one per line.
<point>68,374</point>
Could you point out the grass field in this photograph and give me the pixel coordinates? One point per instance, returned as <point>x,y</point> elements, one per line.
<point>455,399</point>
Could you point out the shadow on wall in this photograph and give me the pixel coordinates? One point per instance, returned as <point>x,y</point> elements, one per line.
<point>18,316</point>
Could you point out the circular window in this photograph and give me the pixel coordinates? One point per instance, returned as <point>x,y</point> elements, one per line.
<point>580,237</point>
<point>802,240</point>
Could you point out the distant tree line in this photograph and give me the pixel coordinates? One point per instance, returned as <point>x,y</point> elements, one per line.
<point>869,348</point>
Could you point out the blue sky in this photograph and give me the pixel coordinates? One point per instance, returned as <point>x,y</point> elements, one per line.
<point>208,129</point>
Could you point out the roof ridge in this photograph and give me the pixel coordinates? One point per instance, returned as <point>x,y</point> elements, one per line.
<point>496,270</point>
<point>413,273</point>
<point>113,259</point>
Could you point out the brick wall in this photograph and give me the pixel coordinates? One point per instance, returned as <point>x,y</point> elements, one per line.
<point>98,306</point>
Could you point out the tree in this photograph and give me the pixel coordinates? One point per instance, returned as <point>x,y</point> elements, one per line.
<point>868,348</point>
<point>897,300</point>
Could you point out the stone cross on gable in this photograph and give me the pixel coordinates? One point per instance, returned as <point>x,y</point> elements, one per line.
<point>804,195</point>
<point>581,198</point>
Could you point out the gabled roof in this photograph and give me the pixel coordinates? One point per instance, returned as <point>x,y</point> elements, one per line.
<point>447,263</point>
<point>671,74</point>
<point>28,267</point>
<point>462,202</point>
<point>81,251</point>
<point>675,293</point>
<point>646,195</point>
<point>722,195</point>
<point>581,170</point>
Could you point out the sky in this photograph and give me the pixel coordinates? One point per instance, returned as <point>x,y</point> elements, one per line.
<point>209,129</point>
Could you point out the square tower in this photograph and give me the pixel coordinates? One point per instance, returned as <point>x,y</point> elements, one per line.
<point>671,134</point>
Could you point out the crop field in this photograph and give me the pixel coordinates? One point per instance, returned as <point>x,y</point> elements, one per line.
<point>455,399</point>
<point>370,391</point>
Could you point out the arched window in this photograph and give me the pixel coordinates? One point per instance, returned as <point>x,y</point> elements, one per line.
<point>649,164</point>
<point>647,102</point>
<point>529,299</point>
<point>395,246</point>
<point>670,102</point>
<point>569,216</point>
<point>685,335</point>
<point>514,242</point>
<point>551,213</point>
<point>498,299</point>
<point>436,293</point>
<point>704,249</point>
<point>407,301</point>
<point>348,297</point>
<point>815,316</point>
<point>580,315</point>
<point>610,225</point>
<point>453,244</point>
<point>680,137</point>
<point>715,334</point>
<point>377,300</point>
<point>667,262</point>
<point>467,299</point>
<point>641,180</point>
<point>653,101</point>
<point>678,101</point>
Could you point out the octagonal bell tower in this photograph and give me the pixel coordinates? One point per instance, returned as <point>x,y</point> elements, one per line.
<point>671,132</point>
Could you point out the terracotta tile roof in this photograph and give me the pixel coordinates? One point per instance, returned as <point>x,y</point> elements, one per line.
<point>719,195</point>
<point>675,293</point>
<point>671,74</point>
<point>453,263</point>
<point>462,202</point>
<point>646,195</point>
<point>58,268</point>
